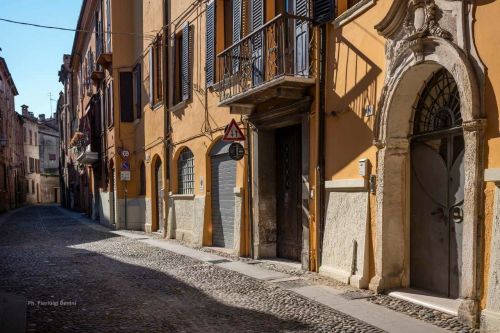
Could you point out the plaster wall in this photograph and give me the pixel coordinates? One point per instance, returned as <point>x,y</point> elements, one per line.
<point>345,240</point>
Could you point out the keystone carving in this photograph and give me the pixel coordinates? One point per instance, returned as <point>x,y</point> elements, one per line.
<point>421,21</point>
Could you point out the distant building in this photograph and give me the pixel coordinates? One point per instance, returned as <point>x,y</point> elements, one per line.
<point>11,148</point>
<point>41,150</point>
<point>49,160</point>
<point>31,156</point>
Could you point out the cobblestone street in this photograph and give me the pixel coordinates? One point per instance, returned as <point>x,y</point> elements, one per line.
<point>78,279</point>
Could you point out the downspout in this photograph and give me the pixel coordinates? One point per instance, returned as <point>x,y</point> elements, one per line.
<point>249,187</point>
<point>320,214</point>
<point>166,116</point>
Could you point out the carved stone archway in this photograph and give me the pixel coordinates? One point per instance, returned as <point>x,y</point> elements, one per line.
<point>417,46</point>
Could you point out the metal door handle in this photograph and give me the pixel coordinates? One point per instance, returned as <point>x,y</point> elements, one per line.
<point>457,214</point>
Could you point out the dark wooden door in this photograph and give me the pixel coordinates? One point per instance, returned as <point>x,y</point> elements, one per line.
<point>288,192</point>
<point>437,194</point>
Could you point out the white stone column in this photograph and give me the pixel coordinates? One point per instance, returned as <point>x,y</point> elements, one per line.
<point>473,191</point>
<point>391,214</point>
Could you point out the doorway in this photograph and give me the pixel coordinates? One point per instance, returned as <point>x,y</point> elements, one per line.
<point>159,195</point>
<point>223,181</point>
<point>437,189</point>
<point>289,192</point>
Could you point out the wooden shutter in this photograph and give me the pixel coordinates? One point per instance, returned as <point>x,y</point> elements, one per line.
<point>257,20</point>
<point>138,90</point>
<point>236,33</point>
<point>126,100</point>
<point>108,26</point>
<point>210,47</point>
<point>151,76</point>
<point>301,38</point>
<point>186,79</point>
<point>323,11</point>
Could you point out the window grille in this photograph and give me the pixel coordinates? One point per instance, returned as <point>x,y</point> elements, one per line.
<point>185,168</point>
<point>439,105</point>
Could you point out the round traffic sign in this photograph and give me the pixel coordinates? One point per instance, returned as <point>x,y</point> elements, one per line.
<point>125,153</point>
<point>236,151</point>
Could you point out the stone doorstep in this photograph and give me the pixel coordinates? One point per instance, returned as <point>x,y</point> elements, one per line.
<point>372,314</point>
<point>428,300</point>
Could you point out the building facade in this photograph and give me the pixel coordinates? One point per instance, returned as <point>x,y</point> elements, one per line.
<point>370,135</point>
<point>48,132</point>
<point>31,156</point>
<point>11,144</point>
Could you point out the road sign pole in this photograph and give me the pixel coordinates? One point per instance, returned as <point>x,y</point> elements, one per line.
<point>125,205</point>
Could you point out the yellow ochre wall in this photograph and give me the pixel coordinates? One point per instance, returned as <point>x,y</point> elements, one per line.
<point>354,79</point>
<point>486,41</point>
<point>200,124</point>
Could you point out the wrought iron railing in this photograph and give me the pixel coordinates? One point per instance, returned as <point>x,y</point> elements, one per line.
<point>279,47</point>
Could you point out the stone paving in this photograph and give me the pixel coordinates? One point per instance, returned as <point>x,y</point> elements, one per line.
<point>79,279</point>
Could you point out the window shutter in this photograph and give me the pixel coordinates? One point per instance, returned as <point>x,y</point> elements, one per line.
<point>138,90</point>
<point>186,80</point>
<point>323,11</point>
<point>257,11</point>
<point>301,38</point>
<point>257,20</point>
<point>236,33</point>
<point>210,48</point>
<point>126,101</point>
<point>151,76</point>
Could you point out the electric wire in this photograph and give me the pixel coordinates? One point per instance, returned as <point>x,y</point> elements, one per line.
<point>73,30</point>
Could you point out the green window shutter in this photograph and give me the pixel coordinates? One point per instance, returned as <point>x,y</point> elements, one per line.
<point>185,65</point>
<point>210,47</point>
<point>323,11</point>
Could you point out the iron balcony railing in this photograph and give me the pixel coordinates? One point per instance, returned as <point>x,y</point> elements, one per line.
<point>280,47</point>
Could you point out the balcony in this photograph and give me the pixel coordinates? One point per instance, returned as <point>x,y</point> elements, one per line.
<point>271,64</point>
<point>104,58</point>
<point>86,156</point>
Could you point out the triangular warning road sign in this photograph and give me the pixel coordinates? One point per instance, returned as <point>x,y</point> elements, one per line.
<point>233,132</point>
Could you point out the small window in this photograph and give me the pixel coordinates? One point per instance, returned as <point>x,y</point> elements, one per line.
<point>142,180</point>
<point>33,187</point>
<point>31,137</point>
<point>155,72</point>
<point>36,139</point>
<point>185,170</point>
<point>52,157</point>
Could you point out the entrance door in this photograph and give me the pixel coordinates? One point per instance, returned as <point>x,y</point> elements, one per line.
<point>223,183</point>
<point>159,195</point>
<point>437,195</point>
<point>288,192</point>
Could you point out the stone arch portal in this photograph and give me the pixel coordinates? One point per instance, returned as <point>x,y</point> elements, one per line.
<point>407,73</point>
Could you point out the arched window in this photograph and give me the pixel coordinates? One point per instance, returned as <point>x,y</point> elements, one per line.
<point>142,179</point>
<point>438,107</point>
<point>185,172</point>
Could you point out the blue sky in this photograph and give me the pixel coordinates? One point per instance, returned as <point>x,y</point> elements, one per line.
<point>34,55</point>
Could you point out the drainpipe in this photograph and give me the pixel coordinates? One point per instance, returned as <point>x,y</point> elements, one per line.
<point>249,188</point>
<point>166,116</point>
<point>320,215</point>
